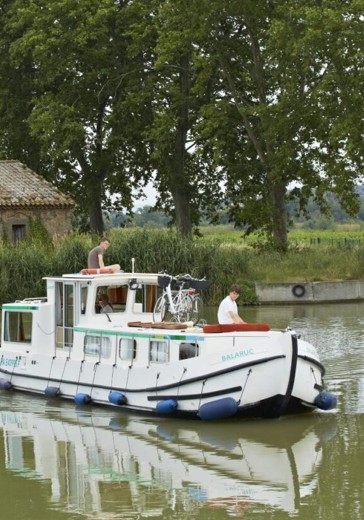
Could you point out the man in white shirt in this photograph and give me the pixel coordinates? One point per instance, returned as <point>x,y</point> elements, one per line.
<point>228,309</point>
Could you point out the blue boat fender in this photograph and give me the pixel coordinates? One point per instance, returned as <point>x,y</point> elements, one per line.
<point>52,391</point>
<point>5,384</point>
<point>117,398</point>
<point>325,401</point>
<point>82,399</point>
<point>219,409</point>
<point>167,406</point>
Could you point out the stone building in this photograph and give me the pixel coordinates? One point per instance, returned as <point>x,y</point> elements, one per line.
<point>24,195</point>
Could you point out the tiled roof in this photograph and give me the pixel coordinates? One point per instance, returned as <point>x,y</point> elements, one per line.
<point>21,187</point>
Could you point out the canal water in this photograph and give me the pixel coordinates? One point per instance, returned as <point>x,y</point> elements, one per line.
<point>58,461</point>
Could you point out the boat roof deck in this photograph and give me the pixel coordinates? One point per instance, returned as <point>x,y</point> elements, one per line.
<point>122,276</point>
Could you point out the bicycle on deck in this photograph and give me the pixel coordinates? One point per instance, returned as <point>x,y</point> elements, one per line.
<point>181,305</point>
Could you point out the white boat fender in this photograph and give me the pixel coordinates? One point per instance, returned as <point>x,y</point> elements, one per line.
<point>117,398</point>
<point>5,384</point>
<point>82,399</point>
<point>52,391</point>
<point>325,401</point>
<point>167,406</point>
<point>219,409</point>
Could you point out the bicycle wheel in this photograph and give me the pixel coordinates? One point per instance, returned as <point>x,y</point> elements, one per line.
<point>183,304</point>
<point>160,308</point>
<point>197,308</point>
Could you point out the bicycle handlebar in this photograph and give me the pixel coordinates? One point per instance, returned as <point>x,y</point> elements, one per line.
<point>164,280</point>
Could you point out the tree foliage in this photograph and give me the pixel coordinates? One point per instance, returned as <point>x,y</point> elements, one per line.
<point>83,113</point>
<point>291,74</point>
<point>216,102</point>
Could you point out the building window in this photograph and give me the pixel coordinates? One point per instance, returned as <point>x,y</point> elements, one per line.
<point>18,232</point>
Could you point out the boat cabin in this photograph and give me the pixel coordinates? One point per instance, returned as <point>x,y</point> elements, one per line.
<point>70,321</point>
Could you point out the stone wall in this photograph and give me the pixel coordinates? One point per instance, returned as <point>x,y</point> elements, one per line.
<point>310,292</point>
<point>57,221</point>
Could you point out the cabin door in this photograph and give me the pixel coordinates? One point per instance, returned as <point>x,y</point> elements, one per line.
<point>65,309</point>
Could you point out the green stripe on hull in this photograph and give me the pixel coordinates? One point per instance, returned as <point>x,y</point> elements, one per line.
<point>151,335</point>
<point>12,307</point>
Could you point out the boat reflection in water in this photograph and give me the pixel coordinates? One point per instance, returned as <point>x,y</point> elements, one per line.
<point>110,466</point>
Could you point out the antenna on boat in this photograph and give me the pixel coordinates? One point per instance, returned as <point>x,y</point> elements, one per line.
<point>132,264</point>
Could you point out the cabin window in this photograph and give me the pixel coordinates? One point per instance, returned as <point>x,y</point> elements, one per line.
<point>97,346</point>
<point>84,289</point>
<point>145,298</point>
<point>64,315</point>
<point>116,298</point>
<point>158,351</point>
<point>127,349</point>
<point>18,327</point>
<point>188,350</point>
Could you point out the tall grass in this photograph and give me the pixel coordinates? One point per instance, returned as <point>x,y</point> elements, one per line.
<point>22,269</point>
<point>156,251</point>
<point>153,251</point>
<point>220,261</point>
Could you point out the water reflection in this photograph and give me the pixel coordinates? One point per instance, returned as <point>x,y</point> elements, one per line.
<point>109,465</point>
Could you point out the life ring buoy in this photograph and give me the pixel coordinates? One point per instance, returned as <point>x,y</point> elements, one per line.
<point>298,290</point>
<point>236,327</point>
<point>104,270</point>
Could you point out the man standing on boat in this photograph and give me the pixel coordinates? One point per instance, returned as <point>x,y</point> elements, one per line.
<point>228,309</point>
<point>96,257</point>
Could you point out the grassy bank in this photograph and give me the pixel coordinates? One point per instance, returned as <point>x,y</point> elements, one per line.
<point>223,259</point>
<point>313,255</point>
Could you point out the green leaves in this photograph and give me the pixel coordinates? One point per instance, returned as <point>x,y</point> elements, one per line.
<point>220,103</point>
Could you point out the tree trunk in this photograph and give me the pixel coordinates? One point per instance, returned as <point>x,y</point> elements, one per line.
<point>98,175</point>
<point>94,187</point>
<point>95,208</point>
<point>279,218</point>
<point>179,177</point>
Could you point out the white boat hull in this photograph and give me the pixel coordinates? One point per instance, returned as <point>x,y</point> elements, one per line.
<point>181,370</point>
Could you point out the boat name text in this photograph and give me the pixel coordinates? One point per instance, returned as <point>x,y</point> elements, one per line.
<point>9,362</point>
<point>235,355</point>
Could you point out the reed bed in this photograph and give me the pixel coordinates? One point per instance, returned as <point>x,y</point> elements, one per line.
<point>220,261</point>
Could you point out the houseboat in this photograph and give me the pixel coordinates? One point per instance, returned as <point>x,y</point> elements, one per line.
<point>62,346</point>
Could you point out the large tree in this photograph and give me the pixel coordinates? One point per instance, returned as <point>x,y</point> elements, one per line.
<point>289,110</point>
<point>16,102</point>
<point>179,79</point>
<point>83,111</point>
